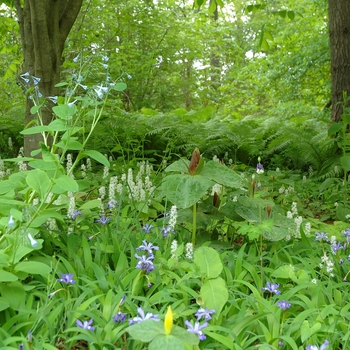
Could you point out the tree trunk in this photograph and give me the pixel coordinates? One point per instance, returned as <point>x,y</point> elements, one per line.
<point>214,58</point>
<point>44,27</point>
<point>339,34</point>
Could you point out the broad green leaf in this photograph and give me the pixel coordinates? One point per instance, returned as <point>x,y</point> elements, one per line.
<point>285,271</point>
<point>4,304</point>
<point>95,203</point>
<point>307,331</point>
<point>119,87</point>
<point>65,111</point>
<point>57,125</point>
<point>185,336</point>
<point>291,15</point>
<point>44,216</point>
<point>39,181</point>
<point>146,331</point>
<point>42,164</point>
<point>35,109</point>
<point>214,294</point>
<point>221,174</point>
<point>180,166</point>
<point>35,130</point>
<point>67,183</point>
<point>6,276</point>
<point>6,186</point>
<point>71,144</point>
<point>248,214</point>
<point>14,293</point>
<point>209,262</point>
<point>345,162</point>
<point>33,267</point>
<point>166,342</point>
<point>184,190</point>
<point>99,157</point>
<point>334,128</point>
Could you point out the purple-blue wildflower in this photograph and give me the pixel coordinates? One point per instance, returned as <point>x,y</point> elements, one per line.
<point>145,263</point>
<point>119,317</point>
<point>67,278</point>
<point>147,228</point>
<point>259,168</point>
<point>336,246</point>
<point>205,313</point>
<point>283,304</point>
<point>196,328</point>
<point>167,230</point>
<point>315,347</point>
<point>86,324</point>
<point>147,247</point>
<point>11,222</point>
<point>21,347</point>
<point>103,220</point>
<point>143,317</point>
<point>272,288</point>
<point>320,236</point>
<point>347,235</point>
<point>75,213</point>
<point>112,204</point>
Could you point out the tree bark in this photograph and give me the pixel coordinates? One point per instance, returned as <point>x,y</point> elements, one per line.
<point>44,27</point>
<point>339,35</point>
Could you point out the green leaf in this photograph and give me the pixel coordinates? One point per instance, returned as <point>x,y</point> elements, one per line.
<point>184,190</point>
<point>39,181</point>
<point>35,109</point>
<point>35,130</point>
<point>7,276</point>
<point>214,294</point>
<point>71,144</point>
<point>42,164</point>
<point>146,331</point>
<point>345,162</point>
<point>14,293</point>
<point>307,331</point>
<point>180,166</point>
<point>285,271</point>
<point>166,342</point>
<point>57,125</point>
<point>119,87</point>
<point>221,174</point>
<point>95,203</point>
<point>291,15</point>
<point>44,216</point>
<point>4,304</point>
<point>67,183</point>
<point>33,267</point>
<point>99,157</point>
<point>65,111</point>
<point>209,262</point>
<point>334,128</point>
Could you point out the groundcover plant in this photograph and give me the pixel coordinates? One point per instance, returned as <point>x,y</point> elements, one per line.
<point>193,254</point>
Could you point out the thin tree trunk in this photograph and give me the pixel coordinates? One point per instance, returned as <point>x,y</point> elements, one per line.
<point>339,35</point>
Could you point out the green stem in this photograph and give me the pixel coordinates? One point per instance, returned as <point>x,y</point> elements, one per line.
<point>194,224</point>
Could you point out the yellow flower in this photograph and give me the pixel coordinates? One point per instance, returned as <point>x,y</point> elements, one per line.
<point>168,322</point>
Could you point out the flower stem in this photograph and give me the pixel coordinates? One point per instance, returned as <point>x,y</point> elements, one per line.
<point>194,224</point>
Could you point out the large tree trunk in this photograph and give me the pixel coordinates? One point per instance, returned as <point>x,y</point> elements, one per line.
<point>339,34</point>
<point>44,26</point>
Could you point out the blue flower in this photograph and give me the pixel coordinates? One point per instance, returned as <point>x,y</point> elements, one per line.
<point>204,313</point>
<point>119,317</point>
<point>103,220</point>
<point>272,288</point>
<point>25,77</point>
<point>259,169</point>
<point>86,324</point>
<point>53,99</point>
<point>67,278</point>
<point>144,263</point>
<point>11,222</point>
<point>196,328</point>
<point>336,246</point>
<point>347,235</point>
<point>283,304</point>
<point>320,236</point>
<point>75,213</point>
<point>143,317</point>
<point>147,247</point>
<point>112,204</point>
<point>167,230</point>
<point>315,347</point>
<point>147,228</point>
<point>33,242</point>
